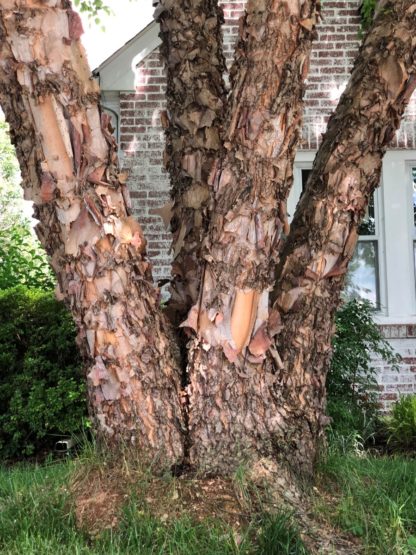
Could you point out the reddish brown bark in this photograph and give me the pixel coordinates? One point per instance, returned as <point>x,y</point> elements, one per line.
<point>231,404</point>
<point>249,397</point>
<point>69,167</point>
<point>325,228</point>
<point>192,50</point>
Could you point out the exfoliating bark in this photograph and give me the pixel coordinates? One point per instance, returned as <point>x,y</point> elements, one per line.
<point>192,51</point>
<point>70,171</point>
<point>232,411</point>
<point>324,231</point>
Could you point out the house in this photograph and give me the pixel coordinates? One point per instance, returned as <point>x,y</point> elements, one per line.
<point>383,270</point>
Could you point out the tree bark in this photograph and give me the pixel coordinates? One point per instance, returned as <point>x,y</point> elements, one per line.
<point>196,96</point>
<point>325,227</point>
<point>69,167</point>
<point>232,411</point>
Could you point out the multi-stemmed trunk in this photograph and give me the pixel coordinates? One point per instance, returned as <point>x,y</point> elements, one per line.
<point>256,364</point>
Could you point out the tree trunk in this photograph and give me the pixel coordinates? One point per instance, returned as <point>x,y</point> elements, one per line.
<point>248,396</point>
<point>195,95</point>
<point>232,410</point>
<point>325,227</point>
<point>69,167</point>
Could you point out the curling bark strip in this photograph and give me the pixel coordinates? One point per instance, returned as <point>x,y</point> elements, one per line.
<point>231,409</point>
<point>324,231</point>
<point>70,171</point>
<point>192,51</point>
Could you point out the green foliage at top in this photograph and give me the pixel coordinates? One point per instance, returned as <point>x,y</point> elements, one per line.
<point>93,8</point>
<point>42,389</point>
<point>351,383</point>
<point>401,424</point>
<point>22,259</point>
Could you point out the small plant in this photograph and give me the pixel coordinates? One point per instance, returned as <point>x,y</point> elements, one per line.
<point>279,535</point>
<point>367,10</point>
<point>352,379</point>
<point>42,389</point>
<point>401,424</point>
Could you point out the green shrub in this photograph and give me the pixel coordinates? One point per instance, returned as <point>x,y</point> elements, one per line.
<point>351,382</point>
<point>22,259</point>
<point>42,390</point>
<point>401,424</point>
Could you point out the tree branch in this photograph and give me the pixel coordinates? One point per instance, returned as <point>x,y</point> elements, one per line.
<point>230,407</point>
<point>192,51</point>
<point>325,227</point>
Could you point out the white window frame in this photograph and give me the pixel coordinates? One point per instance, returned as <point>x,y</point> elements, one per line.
<point>398,228</point>
<point>410,167</point>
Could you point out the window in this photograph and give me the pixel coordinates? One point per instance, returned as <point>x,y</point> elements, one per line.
<point>362,280</point>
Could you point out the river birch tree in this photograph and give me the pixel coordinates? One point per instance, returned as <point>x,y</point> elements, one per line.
<point>255,299</point>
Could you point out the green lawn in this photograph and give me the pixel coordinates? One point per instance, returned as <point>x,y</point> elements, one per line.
<point>372,499</point>
<point>37,518</point>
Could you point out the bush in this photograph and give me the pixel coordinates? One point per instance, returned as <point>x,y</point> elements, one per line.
<point>42,390</point>
<point>22,259</point>
<point>401,424</point>
<point>351,384</point>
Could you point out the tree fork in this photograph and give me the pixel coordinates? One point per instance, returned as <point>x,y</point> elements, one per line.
<point>70,171</point>
<point>324,231</point>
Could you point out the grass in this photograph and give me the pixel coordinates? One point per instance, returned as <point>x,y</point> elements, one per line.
<point>38,516</point>
<point>33,513</point>
<point>373,498</point>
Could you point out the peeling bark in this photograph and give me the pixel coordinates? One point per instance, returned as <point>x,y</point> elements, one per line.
<point>325,227</point>
<point>192,50</point>
<point>257,371</point>
<point>70,171</point>
<point>231,404</point>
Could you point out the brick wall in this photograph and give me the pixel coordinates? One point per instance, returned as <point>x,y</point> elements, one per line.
<point>142,141</point>
<point>332,58</point>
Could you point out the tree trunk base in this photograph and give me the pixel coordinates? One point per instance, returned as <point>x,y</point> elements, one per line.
<point>238,416</point>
